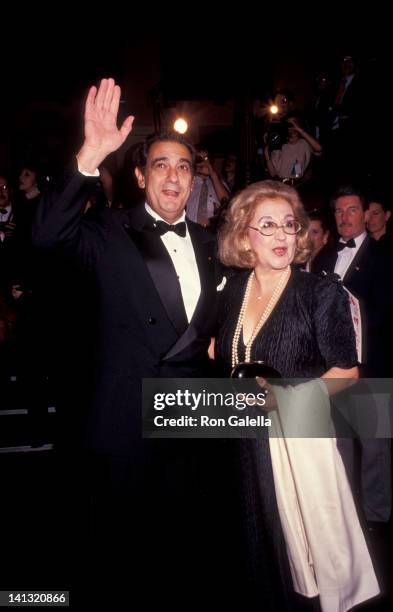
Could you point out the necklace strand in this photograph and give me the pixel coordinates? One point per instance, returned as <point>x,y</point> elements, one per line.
<point>264,316</point>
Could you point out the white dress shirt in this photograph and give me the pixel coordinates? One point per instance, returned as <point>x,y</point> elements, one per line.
<point>347,255</point>
<point>181,252</point>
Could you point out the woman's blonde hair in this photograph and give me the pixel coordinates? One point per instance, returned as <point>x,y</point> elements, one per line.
<point>233,238</point>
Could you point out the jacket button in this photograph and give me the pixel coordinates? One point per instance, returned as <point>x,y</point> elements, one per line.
<point>152,320</point>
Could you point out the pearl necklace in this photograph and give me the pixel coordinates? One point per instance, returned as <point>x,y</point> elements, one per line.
<point>265,315</point>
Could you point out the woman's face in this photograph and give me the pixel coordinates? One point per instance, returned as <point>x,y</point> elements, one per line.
<point>377,218</point>
<point>27,180</point>
<point>274,252</point>
<point>317,236</point>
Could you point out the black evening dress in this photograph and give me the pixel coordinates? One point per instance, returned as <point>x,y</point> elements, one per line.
<point>309,331</point>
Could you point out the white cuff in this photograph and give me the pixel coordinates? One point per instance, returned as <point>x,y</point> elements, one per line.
<point>96,172</point>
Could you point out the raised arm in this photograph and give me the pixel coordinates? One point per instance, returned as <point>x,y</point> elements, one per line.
<point>59,221</point>
<point>102,136</point>
<point>313,142</point>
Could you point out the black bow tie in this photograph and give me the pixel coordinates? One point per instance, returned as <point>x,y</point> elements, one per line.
<point>351,244</point>
<point>178,228</point>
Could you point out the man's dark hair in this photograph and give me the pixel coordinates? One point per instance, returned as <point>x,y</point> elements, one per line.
<point>348,190</point>
<point>141,153</point>
<point>6,176</point>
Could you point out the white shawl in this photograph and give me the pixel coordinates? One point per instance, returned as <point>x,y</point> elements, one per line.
<point>327,551</point>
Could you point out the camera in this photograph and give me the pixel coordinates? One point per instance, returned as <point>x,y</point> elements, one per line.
<point>277,135</point>
<point>202,157</point>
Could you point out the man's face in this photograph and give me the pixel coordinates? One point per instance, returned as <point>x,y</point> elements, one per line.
<point>4,192</point>
<point>167,179</point>
<point>203,170</point>
<point>293,135</point>
<point>348,66</point>
<point>350,217</point>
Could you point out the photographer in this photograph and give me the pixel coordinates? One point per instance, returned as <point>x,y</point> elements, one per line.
<point>292,160</point>
<point>208,192</point>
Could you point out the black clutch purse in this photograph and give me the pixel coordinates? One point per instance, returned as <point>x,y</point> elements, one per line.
<point>251,369</point>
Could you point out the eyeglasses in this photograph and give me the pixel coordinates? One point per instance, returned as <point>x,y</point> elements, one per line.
<point>268,228</point>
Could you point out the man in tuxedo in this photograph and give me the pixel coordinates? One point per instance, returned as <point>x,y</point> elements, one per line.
<point>358,262</point>
<point>155,281</point>
<point>345,142</point>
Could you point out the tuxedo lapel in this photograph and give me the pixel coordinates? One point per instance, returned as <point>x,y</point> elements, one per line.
<point>160,266</point>
<point>355,265</point>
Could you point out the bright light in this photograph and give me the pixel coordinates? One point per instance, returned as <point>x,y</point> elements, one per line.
<point>180,126</point>
<point>274,109</point>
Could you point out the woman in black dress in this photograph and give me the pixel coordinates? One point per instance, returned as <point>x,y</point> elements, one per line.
<point>301,325</point>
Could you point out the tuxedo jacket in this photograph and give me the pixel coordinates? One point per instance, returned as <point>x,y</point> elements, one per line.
<point>353,105</point>
<point>368,280</point>
<point>141,327</point>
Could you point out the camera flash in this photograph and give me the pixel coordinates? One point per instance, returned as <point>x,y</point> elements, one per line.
<point>180,126</point>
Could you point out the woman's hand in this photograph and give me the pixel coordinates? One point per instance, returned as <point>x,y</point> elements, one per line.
<point>270,399</point>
